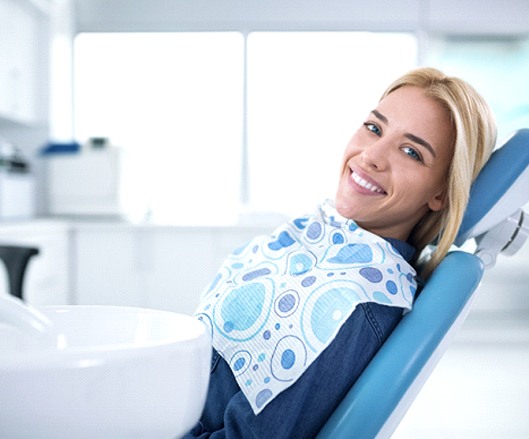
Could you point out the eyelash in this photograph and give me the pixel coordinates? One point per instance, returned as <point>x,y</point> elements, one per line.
<point>370,125</point>
<point>413,154</point>
<point>408,150</point>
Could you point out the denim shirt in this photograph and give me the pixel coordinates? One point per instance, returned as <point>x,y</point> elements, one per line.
<point>301,410</point>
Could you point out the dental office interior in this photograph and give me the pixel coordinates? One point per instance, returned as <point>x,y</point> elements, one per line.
<point>144,140</point>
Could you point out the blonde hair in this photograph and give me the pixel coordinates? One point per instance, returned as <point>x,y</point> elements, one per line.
<point>474,137</point>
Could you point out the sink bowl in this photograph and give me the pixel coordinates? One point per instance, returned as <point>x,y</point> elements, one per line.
<point>101,371</point>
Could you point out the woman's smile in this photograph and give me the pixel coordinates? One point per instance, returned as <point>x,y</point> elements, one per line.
<point>365,184</point>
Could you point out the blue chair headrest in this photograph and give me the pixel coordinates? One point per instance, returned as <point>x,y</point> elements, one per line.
<point>501,188</point>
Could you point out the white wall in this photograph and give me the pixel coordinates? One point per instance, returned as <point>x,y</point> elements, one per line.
<point>447,16</point>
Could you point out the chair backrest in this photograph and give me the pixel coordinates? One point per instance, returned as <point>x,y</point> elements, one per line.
<point>502,187</point>
<point>383,393</point>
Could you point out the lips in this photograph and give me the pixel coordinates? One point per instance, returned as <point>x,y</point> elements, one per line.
<point>366,183</point>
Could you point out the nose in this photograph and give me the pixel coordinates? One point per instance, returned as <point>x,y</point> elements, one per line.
<point>376,155</point>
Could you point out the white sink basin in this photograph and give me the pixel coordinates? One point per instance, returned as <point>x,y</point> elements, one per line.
<point>100,372</point>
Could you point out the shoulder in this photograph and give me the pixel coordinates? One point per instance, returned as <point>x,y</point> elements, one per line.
<point>364,331</point>
<point>381,318</point>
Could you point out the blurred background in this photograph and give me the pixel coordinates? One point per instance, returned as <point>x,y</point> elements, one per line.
<point>143,140</point>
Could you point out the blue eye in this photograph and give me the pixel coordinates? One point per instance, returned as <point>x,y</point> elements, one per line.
<point>412,153</point>
<point>373,128</point>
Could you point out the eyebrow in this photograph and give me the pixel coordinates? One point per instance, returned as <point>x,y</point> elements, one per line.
<point>410,136</point>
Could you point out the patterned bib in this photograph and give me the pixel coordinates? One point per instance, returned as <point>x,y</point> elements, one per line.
<point>279,301</point>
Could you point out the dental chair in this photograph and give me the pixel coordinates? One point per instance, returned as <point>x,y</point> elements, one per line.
<point>494,220</point>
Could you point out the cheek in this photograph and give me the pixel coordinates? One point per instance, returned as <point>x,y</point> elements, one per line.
<point>430,188</point>
<point>351,149</point>
<point>345,159</point>
<point>418,186</point>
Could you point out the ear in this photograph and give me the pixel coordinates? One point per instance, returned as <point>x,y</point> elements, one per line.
<point>438,201</point>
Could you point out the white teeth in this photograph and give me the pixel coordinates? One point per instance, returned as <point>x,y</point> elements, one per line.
<point>366,185</point>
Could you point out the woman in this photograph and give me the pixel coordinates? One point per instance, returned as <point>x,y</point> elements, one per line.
<point>297,316</point>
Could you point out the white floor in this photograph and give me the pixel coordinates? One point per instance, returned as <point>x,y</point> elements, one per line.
<point>480,388</point>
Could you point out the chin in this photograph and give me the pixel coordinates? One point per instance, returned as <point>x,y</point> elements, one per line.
<point>342,208</point>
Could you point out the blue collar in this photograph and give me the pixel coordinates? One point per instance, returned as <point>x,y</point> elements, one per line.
<point>404,248</point>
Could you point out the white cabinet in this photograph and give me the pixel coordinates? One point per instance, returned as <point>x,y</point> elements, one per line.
<point>105,263</point>
<point>160,267</point>
<point>163,268</point>
<point>105,269</point>
<point>178,265</point>
<point>19,43</point>
<point>47,280</point>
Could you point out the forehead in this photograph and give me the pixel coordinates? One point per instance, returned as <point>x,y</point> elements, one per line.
<point>413,106</point>
<point>410,110</point>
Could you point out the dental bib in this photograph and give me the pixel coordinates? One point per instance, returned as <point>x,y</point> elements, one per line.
<point>279,301</point>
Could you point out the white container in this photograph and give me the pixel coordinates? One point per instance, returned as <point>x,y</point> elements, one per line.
<point>17,195</point>
<point>100,372</point>
<point>85,183</point>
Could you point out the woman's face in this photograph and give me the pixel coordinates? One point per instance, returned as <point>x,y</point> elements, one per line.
<point>395,167</point>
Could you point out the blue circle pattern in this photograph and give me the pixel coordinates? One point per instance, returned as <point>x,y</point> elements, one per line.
<point>279,301</point>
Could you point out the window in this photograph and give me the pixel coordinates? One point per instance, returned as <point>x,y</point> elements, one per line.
<point>199,139</point>
<point>173,103</point>
<point>497,66</point>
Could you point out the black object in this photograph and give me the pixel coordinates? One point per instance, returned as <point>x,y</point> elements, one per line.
<point>15,259</point>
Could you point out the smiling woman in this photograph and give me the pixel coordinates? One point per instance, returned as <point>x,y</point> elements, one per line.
<point>296,316</point>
